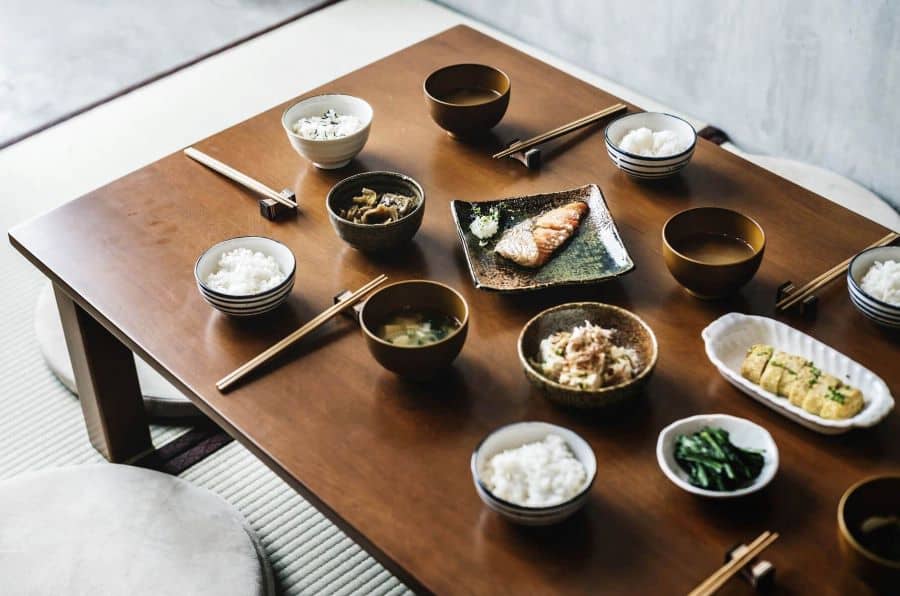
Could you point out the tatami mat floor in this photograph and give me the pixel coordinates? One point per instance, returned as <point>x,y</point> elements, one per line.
<point>41,427</point>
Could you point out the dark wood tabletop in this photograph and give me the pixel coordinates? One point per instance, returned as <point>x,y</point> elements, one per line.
<point>388,460</point>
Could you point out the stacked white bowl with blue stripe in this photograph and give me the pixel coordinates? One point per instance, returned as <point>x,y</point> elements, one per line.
<point>650,167</point>
<point>246,305</point>
<point>875,308</point>
<point>513,436</point>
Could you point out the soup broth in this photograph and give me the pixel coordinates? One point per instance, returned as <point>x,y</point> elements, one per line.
<point>469,96</point>
<point>715,249</point>
<point>417,328</point>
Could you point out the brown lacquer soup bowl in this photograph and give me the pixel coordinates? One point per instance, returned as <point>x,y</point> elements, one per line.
<point>410,360</point>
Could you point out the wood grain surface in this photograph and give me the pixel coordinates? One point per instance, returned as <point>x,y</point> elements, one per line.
<point>389,460</point>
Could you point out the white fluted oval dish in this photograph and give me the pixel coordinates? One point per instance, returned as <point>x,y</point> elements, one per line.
<point>728,337</point>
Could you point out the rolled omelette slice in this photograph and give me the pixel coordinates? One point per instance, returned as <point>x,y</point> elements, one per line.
<point>841,403</point>
<point>808,376</point>
<point>771,376</point>
<point>815,397</point>
<point>793,367</point>
<point>755,362</point>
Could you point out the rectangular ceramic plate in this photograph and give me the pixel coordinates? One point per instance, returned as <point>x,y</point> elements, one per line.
<point>728,337</point>
<point>594,254</point>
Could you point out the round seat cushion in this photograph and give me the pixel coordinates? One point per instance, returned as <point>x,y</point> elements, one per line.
<point>115,529</point>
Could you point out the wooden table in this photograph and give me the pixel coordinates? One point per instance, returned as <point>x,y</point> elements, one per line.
<point>388,460</point>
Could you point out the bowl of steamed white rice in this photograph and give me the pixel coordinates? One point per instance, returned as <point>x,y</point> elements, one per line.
<point>533,473</point>
<point>873,282</point>
<point>246,276</point>
<point>650,145</point>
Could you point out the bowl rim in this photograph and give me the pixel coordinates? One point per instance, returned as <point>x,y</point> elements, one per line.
<point>648,368</point>
<point>759,482</point>
<point>362,128</point>
<point>545,510</point>
<point>848,535</point>
<point>858,286</point>
<point>363,175</point>
<point>462,324</point>
<point>615,146</point>
<point>437,71</point>
<point>755,254</point>
<point>262,294</point>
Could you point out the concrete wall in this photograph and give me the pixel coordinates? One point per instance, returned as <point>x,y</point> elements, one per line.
<point>814,80</point>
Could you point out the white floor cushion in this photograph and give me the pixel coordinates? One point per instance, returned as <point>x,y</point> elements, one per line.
<point>120,530</point>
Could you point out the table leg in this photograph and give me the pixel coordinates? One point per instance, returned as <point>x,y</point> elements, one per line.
<point>107,384</point>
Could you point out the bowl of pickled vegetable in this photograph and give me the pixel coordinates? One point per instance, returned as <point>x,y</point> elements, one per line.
<point>716,455</point>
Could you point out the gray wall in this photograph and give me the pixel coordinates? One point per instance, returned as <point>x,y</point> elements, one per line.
<point>817,81</point>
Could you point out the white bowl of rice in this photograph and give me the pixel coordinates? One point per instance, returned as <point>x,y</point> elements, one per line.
<point>328,130</point>
<point>246,276</point>
<point>873,282</point>
<point>533,473</point>
<point>650,145</point>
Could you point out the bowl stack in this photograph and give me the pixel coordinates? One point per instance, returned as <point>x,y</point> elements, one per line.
<point>516,435</point>
<point>882,313</point>
<point>246,305</point>
<point>646,167</point>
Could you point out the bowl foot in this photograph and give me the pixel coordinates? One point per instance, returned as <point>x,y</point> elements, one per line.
<point>702,296</point>
<point>332,166</point>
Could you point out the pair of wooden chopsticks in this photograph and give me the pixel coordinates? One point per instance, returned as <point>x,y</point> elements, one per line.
<point>824,279</point>
<point>231,378</point>
<point>561,130</point>
<point>238,176</point>
<point>715,581</point>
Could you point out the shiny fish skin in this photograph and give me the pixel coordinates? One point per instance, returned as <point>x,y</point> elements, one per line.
<point>532,242</point>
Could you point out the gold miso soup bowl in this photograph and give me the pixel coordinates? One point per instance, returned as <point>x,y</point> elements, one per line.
<point>716,270</point>
<point>414,362</point>
<point>870,502</point>
<point>467,100</point>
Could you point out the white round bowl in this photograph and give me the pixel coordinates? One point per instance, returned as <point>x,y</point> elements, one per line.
<point>742,433</point>
<point>516,435</point>
<point>640,166</point>
<point>247,304</point>
<point>328,154</point>
<point>882,313</point>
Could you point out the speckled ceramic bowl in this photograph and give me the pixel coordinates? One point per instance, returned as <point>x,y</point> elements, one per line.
<point>631,332</point>
<point>328,154</point>
<point>375,237</point>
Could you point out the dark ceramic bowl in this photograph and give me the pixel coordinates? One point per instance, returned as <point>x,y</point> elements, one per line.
<point>877,496</point>
<point>375,237</point>
<point>452,95</point>
<point>415,362</point>
<point>631,332</point>
<point>708,279</point>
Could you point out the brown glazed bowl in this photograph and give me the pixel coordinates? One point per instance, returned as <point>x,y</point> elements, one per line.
<point>375,237</point>
<point>708,280</point>
<point>875,496</point>
<point>631,332</point>
<point>414,362</point>
<point>467,119</point>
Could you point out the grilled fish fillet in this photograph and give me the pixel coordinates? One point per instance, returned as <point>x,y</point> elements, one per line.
<point>532,242</point>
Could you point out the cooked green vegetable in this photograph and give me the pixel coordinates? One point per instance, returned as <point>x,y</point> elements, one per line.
<point>713,462</point>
